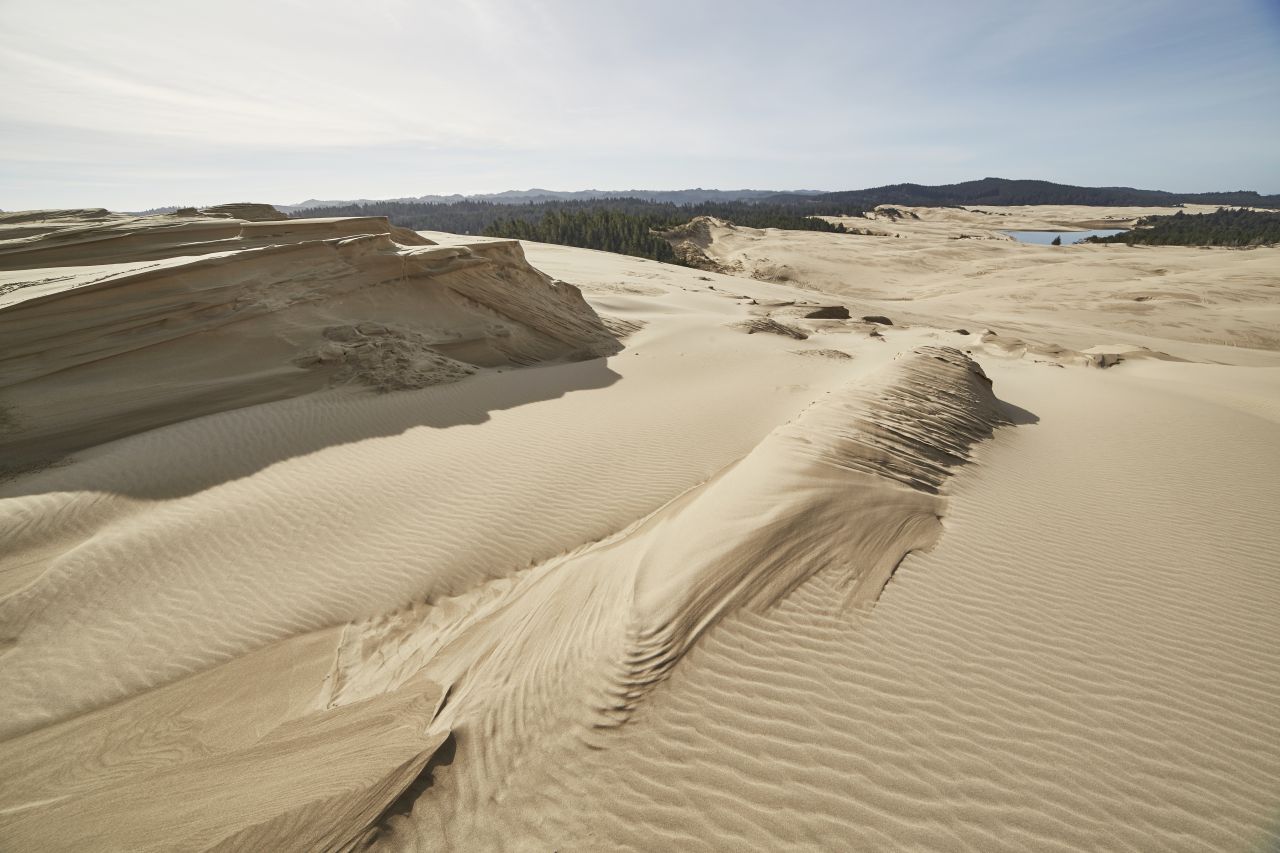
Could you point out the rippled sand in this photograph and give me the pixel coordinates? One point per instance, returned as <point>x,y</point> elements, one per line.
<point>665,563</point>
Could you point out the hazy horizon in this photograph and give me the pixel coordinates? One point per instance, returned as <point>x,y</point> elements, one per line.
<point>135,105</point>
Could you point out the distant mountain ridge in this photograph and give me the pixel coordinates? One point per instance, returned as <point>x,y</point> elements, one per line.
<point>1003,191</point>
<point>987,191</point>
<point>696,195</point>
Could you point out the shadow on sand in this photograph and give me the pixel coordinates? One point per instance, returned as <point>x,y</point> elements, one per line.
<point>198,454</point>
<point>1017,415</point>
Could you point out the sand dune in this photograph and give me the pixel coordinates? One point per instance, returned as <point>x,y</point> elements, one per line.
<point>744,539</point>
<point>856,548</point>
<point>1083,662</point>
<point>950,267</point>
<point>149,320</point>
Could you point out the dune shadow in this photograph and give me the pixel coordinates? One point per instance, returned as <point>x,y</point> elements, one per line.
<point>443,757</point>
<point>1017,415</point>
<point>194,455</point>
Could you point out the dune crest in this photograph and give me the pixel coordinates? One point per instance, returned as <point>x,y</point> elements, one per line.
<point>570,648</point>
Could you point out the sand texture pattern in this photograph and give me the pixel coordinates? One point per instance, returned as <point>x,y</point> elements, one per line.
<point>326,535</point>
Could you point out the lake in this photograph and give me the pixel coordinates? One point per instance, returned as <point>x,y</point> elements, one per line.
<point>1044,238</point>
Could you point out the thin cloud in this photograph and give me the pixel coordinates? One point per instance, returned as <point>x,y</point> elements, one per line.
<point>285,100</point>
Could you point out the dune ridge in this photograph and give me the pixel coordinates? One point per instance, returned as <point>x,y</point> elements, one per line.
<point>1104,681</point>
<point>572,647</point>
<point>155,319</point>
<point>813,497</point>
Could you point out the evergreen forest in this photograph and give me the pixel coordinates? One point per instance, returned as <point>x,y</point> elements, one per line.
<point>1223,227</point>
<point>623,225</point>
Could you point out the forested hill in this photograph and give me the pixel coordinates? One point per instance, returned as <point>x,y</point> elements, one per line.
<point>479,210</point>
<point>607,230</point>
<point>1000,191</point>
<point>477,217</point>
<point>626,225</point>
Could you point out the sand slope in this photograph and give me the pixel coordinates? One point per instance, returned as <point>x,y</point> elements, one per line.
<point>1083,662</point>
<point>222,757</point>
<point>684,561</point>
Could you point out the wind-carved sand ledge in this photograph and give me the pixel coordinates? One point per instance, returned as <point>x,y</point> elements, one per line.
<point>143,321</point>
<point>665,558</point>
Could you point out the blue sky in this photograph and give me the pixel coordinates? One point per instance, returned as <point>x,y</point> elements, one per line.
<point>129,104</point>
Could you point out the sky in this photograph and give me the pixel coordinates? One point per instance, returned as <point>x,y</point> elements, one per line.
<point>131,104</point>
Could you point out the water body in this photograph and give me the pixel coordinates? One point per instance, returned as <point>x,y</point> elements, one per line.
<point>1044,238</point>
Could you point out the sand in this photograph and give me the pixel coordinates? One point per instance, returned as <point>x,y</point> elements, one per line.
<point>956,268</point>
<point>663,563</point>
<point>151,320</point>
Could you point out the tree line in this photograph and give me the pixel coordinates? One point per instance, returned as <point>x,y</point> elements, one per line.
<point>608,230</point>
<point>1223,227</point>
<point>623,225</point>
